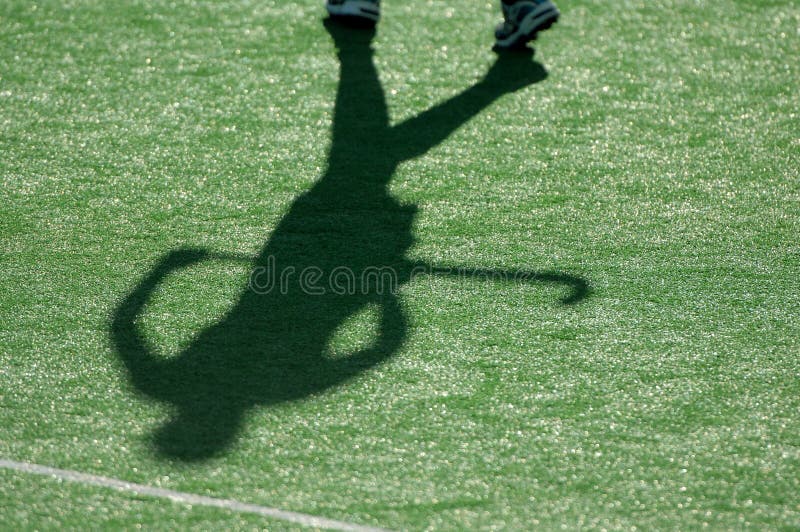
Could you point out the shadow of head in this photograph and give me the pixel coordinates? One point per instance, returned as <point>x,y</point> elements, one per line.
<point>198,435</point>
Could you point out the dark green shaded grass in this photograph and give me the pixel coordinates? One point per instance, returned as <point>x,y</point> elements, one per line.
<point>658,161</point>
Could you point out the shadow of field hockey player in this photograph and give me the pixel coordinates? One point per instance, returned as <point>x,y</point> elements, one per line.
<point>270,347</point>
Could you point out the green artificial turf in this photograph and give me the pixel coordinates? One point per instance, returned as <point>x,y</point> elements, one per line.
<point>641,170</point>
<point>37,503</point>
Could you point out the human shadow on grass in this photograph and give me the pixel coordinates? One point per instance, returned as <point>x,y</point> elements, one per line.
<point>350,233</point>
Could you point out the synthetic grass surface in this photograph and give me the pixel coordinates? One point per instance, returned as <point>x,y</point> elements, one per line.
<point>33,502</point>
<point>657,162</point>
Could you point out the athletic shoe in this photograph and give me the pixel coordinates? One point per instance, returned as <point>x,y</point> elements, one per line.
<point>523,20</point>
<point>355,10</point>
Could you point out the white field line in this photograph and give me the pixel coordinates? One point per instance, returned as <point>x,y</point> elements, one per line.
<point>184,498</point>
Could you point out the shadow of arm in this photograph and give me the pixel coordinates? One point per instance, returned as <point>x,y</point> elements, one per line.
<point>143,365</point>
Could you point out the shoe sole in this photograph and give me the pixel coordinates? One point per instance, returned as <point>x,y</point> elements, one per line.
<point>355,10</point>
<point>531,25</point>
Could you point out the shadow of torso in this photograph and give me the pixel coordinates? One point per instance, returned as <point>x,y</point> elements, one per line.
<point>272,345</point>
